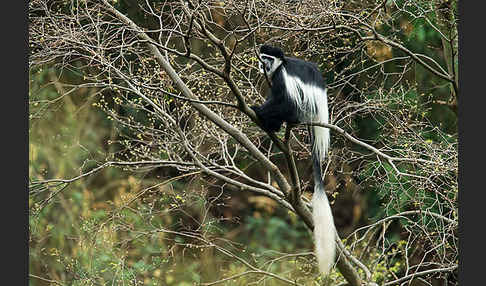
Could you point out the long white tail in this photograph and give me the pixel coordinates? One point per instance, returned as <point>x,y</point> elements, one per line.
<point>324,230</point>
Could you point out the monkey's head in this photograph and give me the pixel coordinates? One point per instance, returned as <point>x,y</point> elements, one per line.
<point>271,59</point>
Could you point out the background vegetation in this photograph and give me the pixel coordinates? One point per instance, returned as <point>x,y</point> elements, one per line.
<point>131,184</point>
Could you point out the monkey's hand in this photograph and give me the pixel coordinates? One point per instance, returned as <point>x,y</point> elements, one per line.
<point>258,110</point>
<point>268,122</point>
<point>255,108</point>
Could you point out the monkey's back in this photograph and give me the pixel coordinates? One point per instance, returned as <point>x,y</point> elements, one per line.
<point>306,71</point>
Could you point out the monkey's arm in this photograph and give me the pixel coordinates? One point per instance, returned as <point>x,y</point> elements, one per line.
<point>274,112</point>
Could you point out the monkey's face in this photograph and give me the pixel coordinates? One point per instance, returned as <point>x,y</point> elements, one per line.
<point>268,64</point>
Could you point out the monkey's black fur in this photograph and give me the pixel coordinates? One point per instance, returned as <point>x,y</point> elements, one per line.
<point>278,107</point>
<point>298,94</point>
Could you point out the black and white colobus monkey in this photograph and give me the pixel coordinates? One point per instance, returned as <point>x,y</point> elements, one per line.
<point>298,94</point>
